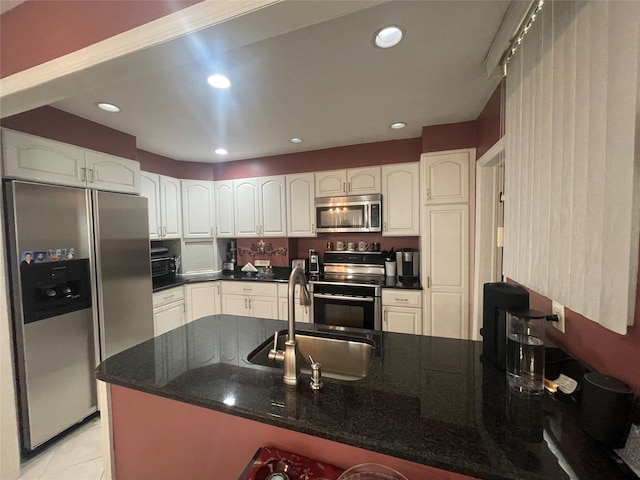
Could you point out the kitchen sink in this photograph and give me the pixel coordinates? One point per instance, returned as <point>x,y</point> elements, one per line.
<point>342,357</point>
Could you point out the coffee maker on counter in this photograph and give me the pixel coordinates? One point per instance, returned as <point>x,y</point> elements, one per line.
<point>232,257</point>
<point>408,264</point>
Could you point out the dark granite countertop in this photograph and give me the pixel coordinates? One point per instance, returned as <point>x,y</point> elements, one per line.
<point>428,400</point>
<point>281,275</point>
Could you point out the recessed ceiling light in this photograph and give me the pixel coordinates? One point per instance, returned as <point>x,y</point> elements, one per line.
<point>388,37</point>
<point>221,151</point>
<point>295,140</point>
<point>219,81</point>
<point>398,125</point>
<point>108,107</point>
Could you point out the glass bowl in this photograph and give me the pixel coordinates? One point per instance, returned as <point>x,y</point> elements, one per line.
<point>371,471</point>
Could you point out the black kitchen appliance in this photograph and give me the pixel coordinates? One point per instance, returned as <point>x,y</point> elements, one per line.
<point>163,265</point>
<point>232,257</point>
<point>408,264</point>
<point>498,298</point>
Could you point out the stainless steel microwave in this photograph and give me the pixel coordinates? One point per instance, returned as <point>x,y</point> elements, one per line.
<point>357,213</point>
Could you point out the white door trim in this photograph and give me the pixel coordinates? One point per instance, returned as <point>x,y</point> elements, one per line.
<point>485,262</point>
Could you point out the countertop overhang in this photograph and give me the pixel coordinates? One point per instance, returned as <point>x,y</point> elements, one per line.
<point>428,400</point>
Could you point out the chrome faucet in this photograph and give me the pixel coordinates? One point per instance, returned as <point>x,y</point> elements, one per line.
<point>291,355</point>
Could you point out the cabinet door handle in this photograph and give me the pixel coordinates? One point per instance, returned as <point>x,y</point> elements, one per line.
<point>84,174</point>
<point>170,296</point>
<point>313,228</point>
<point>159,232</point>
<point>92,175</point>
<point>385,226</point>
<point>245,304</point>
<point>344,187</point>
<point>402,299</point>
<point>249,304</point>
<point>428,282</point>
<point>164,231</point>
<point>348,187</point>
<point>427,192</point>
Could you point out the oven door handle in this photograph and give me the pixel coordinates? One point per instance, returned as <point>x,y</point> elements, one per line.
<point>344,297</point>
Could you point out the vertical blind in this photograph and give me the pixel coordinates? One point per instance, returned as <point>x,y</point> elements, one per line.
<point>572,176</point>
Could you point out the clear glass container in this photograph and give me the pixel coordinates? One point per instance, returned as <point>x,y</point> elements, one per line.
<point>525,350</point>
<point>371,471</point>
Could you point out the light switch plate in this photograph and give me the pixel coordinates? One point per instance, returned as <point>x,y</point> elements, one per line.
<point>558,309</point>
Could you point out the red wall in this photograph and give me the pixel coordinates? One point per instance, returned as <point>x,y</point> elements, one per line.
<point>150,162</point>
<point>157,438</point>
<point>365,154</point>
<point>35,32</point>
<point>488,123</point>
<point>612,354</point>
<point>452,136</point>
<point>64,127</point>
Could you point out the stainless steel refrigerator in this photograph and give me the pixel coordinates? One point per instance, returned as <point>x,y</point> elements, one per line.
<point>81,291</point>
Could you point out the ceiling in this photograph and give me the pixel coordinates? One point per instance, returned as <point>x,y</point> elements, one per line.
<point>316,77</point>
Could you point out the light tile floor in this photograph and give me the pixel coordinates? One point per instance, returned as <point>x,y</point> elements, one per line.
<point>77,456</point>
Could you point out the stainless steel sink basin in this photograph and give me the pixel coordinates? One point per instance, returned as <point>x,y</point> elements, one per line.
<point>342,357</point>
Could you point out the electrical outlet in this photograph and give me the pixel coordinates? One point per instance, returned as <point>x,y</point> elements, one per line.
<point>558,309</point>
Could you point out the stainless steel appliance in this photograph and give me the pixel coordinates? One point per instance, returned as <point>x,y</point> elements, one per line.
<point>408,264</point>
<point>81,292</point>
<point>358,213</point>
<point>314,262</point>
<point>348,293</point>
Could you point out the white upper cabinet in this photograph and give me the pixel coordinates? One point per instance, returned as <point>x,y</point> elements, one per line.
<point>363,181</point>
<point>245,199</point>
<point>197,209</point>
<point>401,199</point>
<point>150,188</point>
<point>29,157</point>
<point>354,181</point>
<point>300,205</point>
<point>165,211</point>
<point>260,208</point>
<point>224,210</point>
<point>446,176</point>
<point>272,206</point>
<point>171,211</point>
<point>107,172</point>
<point>332,183</point>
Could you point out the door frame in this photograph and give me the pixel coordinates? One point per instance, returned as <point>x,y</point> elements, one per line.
<point>487,261</point>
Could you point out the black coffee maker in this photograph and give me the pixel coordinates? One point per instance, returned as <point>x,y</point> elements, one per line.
<point>498,298</point>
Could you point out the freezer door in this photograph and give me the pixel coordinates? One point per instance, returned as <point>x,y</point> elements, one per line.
<point>124,290</point>
<point>59,376</point>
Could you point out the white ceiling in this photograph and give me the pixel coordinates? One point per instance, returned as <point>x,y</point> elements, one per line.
<point>294,77</point>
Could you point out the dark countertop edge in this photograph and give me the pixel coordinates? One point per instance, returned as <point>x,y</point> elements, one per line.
<point>184,279</point>
<point>479,471</point>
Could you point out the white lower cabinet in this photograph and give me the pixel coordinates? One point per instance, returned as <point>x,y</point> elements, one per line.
<point>202,300</point>
<point>168,310</point>
<point>401,311</point>
<point>251,299</point>
<point>303,312</point>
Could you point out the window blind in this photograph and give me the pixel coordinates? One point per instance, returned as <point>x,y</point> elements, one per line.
<point>573,159</point>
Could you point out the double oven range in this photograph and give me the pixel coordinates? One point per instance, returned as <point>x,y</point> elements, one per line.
<point>348,293</point>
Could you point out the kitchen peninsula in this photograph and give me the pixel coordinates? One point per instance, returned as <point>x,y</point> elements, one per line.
<point>188,404</point>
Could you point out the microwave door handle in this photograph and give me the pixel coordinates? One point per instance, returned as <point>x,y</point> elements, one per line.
<point>367,216</point>
<point>343,297</point>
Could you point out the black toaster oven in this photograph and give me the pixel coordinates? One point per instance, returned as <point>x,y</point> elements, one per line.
<point>162,264</point>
